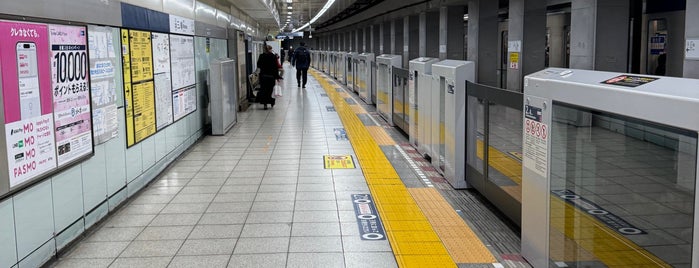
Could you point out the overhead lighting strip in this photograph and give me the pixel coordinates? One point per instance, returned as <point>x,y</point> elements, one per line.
<point>320,13</point>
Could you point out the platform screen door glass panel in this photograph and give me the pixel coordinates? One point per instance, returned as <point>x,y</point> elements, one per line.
<point>505,149</point>
<point>622,191</point>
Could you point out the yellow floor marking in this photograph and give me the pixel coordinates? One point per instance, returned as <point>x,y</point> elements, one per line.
<point>502,162</point>
<point>380,136</point>
<point>461,242</point>
<point>357,109</point>
<point>399,212</point>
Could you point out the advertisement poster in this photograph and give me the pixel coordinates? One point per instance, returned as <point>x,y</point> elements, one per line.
<point>27,100</point>
<point>184,101</point>
<point>143,110</point>
<point>103,61</point>
<point>71,92</point>
<point>163,83</point>
<point>182,57</point>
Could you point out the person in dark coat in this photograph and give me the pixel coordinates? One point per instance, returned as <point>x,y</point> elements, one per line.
<point>268,65</point>
<point>302,60</point>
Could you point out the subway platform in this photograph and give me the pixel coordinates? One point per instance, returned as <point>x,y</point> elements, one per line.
<point>319,180</point>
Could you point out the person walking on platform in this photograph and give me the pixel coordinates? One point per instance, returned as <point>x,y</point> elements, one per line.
<point>302,60</point>
<point>291,55</point>
<point>268,68</point>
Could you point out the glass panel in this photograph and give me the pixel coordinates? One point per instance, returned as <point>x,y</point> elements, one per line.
<point>505,149</point>
<point>622,191</point>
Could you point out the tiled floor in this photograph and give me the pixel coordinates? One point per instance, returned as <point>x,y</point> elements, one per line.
<point>257,197</point>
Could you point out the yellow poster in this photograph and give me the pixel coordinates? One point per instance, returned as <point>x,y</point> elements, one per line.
<point>126,59</point>
<point>338,161</point>
<point>514,60</point>
<point>141,56</point>
<point>143,110</point>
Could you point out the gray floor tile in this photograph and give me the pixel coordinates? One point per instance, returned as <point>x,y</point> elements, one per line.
<point>247,174</point>
<point>370,259</point>
<point>286,196</point>
<point>162,190</point>
<point>192,208</point>
<point>200,189</point>
<point>257,260</point>
<point>315,229</point>
<point>235,181</point>
<point>266,230</point>
<point>114,234</point>
<point>216,175</point>
<point>280,180</point>
<point>249,245</point>
<point>223,218</point>
<point>229,207</point>
<point>216,231</point>
<point>193,198</point>
<point>315,180</point>
<point>316,187</point>
<point>273,206</point>
<point>175,219</point>
<point>349,229</point>
<point>147,262</point>
<point>129,220</point>
<point>234,197</point>
<point>315,244</point>
<point>315,196</point>
<point>172,182</point>
<point>165,233</point>
<point>142,208</point>
<point>207,182</point>
<point>153,199</point>
<point>266,188</point>
<point>303,205</point>
<point>356,244</point>
<point>163,248</point>
<point>98,250</point>
<point>208,247</point>
<point>215,261</point>
<point>239,188</point>
<point>85,263</point>
<point>269,217</point>
<point>315,260</point>
<point>348,216</point>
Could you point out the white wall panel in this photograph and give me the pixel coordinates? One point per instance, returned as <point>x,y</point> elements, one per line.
<point>94,174</point>
<point>33,217</point>
<point>8,250</point>
<point>67,192</point>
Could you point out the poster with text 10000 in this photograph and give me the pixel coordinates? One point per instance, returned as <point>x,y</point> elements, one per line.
<point>71,92</point>
<point>27,102</point>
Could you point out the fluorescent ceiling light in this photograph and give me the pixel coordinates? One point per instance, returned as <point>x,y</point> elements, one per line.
<point>289,7</point>
<point>288,1</point>
<point>320,13</point>
<point>289,12</point>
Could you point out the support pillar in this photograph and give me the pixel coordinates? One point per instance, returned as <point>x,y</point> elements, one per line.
<point>393,37</point>
<point>599,35</point>
<point>483,39</point>
<point>406,41</point>
<point>526,50</point>
<point>691,35</point>
<point>422,51</point>
<point>451,32</point>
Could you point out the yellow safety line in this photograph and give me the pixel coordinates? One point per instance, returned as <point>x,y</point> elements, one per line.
<point>400,214</point>
<point>461,242</point>
<point>380,136</point>
<point>590,235</point>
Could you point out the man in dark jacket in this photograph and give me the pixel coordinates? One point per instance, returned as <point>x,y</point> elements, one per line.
<point>302,60</point>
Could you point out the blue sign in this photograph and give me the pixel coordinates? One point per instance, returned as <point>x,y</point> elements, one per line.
<point>613,221</point>
<point>657,44</point>
<point>370,227</point>
<point>330,108</point>
<point>340,134</point>
<point>350,101</point>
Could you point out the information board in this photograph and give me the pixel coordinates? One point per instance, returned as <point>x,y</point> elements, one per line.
<point>27,100</point>
<point>139,88</point>
<point>182,57</point>
<point>71,92</point>
<point>184,101</point>
<point>103,61</point>
<point>162,79</point>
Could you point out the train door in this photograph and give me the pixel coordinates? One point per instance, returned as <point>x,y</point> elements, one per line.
<point>502,55</point>
<point>656,55</point>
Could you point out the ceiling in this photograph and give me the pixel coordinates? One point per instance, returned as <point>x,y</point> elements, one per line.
<point>301,11</point>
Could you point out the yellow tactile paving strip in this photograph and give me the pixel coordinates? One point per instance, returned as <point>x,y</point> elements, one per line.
<point>590,239</point>
<point>461,242</point>
<point>380,136</point>
<point>399,212</point>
